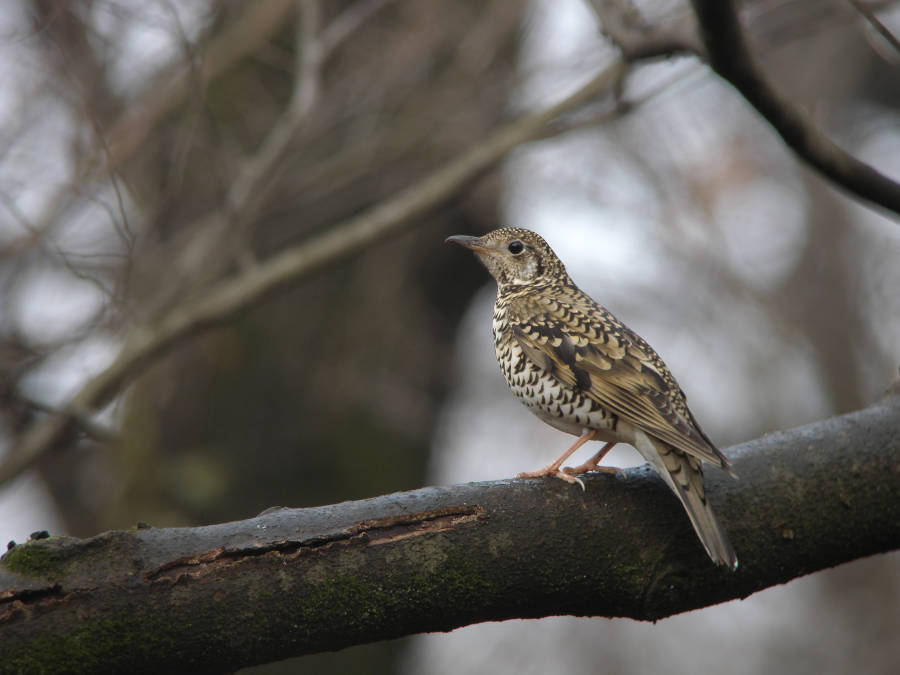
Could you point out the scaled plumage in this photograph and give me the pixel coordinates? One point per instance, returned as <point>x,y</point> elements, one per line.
<point>582,371</point>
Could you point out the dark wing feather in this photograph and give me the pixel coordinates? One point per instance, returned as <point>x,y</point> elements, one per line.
<point>584,346</point>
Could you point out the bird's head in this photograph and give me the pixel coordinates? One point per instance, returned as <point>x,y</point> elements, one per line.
<point>514,256</point>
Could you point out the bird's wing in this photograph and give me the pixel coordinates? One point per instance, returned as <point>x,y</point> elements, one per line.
<point>584,346</point>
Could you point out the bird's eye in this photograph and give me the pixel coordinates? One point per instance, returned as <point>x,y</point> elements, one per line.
<point>516,247</point>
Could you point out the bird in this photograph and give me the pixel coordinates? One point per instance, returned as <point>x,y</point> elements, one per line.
<point>582,371</point>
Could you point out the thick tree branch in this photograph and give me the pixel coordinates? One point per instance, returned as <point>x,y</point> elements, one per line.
<point>730,57</point>
<point>225,300</point>
<point>289,582</point>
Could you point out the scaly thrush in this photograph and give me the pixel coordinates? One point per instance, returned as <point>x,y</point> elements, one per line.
<point>582,371</point>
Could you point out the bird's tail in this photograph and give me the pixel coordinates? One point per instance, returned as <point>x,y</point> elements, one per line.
<point>683,473</point>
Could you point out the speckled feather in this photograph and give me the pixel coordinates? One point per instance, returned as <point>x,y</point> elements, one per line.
<point>585,347</point>
<point>577,367</point>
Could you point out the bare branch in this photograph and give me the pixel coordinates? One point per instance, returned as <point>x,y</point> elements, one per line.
<point>347,22</point>
<point>244,35</point>
<point>223,301</point>
<point>304,95</point>
<point>95,430</point>
<point>731,59</point>
<point>298,581</point>
<point>250,187</point>
<point>869,15</point>
<point>639,39</point>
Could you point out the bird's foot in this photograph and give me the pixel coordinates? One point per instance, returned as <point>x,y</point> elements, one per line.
<point>551,471</point>
<point>588,467</point>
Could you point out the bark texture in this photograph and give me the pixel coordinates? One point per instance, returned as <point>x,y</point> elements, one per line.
<point>298,581</point>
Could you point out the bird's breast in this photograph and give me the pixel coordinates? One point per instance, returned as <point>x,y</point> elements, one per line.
<point>563,407</point>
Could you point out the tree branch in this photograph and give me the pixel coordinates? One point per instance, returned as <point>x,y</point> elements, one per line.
<point>297,581</point>
<point>731,59</point>
<point>868,14</point>
<point>241,37</point>
<point>226,299</point>
<point>638,39</point>
<point>224,230</point>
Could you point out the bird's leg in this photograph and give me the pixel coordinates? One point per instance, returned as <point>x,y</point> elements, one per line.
<point>593,464</point>
<point>553,469</point>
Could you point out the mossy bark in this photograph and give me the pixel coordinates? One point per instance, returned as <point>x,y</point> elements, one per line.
<point>298,581</point>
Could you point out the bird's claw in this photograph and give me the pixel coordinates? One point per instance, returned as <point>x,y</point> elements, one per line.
<point>588,468</point>
<point>551,471</point>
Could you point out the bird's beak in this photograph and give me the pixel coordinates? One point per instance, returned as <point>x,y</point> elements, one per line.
<point>469,242</point>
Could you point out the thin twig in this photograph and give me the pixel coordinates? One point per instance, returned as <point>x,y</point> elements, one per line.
<point>241,37</point>
<point>226,299</point>
<point>731,59</point>
<point>221,231</point>
<point>347,22</point>
<point>876,23</point>
<point>304,95</point>
<point>637,39</point>
<point>97,431</point>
